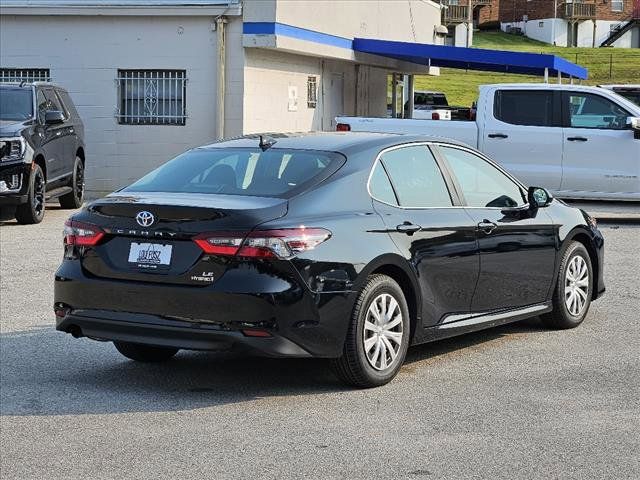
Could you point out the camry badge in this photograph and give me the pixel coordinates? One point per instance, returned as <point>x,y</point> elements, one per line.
<point>145,219</point>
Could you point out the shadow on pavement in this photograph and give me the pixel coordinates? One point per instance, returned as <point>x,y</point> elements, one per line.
<point>44,372</point>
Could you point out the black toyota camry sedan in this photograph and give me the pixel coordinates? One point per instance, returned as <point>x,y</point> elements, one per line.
<point>345,246</point>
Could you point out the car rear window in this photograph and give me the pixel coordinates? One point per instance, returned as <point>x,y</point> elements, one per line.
<point>236,171</point>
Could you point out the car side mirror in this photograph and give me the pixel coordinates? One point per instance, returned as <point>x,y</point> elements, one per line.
<point>53,117</point>
<point>634,124</point>
<point>538,197</point>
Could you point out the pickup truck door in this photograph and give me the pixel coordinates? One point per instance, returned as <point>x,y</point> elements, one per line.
<point>600,152</point>
<point>517,245</point>
<point>522,131</point>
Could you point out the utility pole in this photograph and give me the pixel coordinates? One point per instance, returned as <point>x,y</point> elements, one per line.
<point>553,26</point>
<point>470,23</point>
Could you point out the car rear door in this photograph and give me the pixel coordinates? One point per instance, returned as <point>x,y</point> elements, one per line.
<point>432,233</point>
<point>600,152</point>
<point>523,133</point>
<point>517,245</point>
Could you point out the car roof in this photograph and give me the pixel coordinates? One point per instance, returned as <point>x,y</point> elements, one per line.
<point>342,142</point>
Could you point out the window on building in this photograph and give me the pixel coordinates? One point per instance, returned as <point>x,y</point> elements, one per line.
<point>617,5</point>
<point>25,75</point>
<point>526,107</point>
<point>152,97</point>
<point>312,92</point>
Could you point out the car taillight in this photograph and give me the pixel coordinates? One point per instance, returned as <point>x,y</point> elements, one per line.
<point>284,243</point>
<point>81,234</point>
<point>343,127</point>
<point>435,116</point>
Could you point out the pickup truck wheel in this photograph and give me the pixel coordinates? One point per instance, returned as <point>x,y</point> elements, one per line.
<point>145,353</point>
<point>574,288</point>
<point>33,210</point>
<point>378,335</point>
<point>73,199</point>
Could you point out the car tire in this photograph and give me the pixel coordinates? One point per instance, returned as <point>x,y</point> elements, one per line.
<point>74,198</point>
<point>376,345</point>
<point>145,353</point>
<point>573,291</point>
<point>33,210</point>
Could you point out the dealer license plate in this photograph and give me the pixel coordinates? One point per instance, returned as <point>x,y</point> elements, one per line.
<point>150,254</point>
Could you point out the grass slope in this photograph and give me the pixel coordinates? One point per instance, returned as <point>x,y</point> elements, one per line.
<point>605,65</point>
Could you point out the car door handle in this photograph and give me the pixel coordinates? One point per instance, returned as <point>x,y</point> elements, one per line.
<point>487,226</point>
<point>408,228</point>
<point>498,135</point>
<point>577,139</point>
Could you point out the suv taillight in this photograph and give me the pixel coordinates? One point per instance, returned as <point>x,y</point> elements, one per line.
<point>343,127</point>
<point>283,243</point>
<point>81,234</point>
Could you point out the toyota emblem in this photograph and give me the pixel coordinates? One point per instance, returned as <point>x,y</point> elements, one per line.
<point>145,219</point>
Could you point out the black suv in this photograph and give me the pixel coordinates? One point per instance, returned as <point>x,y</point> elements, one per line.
<point>42,154</point>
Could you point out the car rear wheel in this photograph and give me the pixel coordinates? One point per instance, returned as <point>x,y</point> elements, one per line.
<point>73,199</point>
<point>378,335</point>
<point>33,210</point>
<point>145,353</point>
<point>574,288</point>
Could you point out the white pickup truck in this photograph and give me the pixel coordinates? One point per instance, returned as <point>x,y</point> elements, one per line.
<point>577,141</point>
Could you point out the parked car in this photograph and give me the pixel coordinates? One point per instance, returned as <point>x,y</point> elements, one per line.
<point>42,152</point>
<point>429,105</point>
<point>630,92</point>
<point>577,141</point>
<point>343,246</point>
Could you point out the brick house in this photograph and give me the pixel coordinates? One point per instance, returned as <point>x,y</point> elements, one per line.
<point>455,15</point>
<point>582,23</point>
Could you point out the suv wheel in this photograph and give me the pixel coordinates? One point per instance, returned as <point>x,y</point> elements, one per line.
<point>378,335</point>
<point>145,353</point>
<point>73,199</point>
<point>33,210</point>
<point>574,287</point>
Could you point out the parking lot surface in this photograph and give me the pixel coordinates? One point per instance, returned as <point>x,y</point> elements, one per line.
<point>513,402</point>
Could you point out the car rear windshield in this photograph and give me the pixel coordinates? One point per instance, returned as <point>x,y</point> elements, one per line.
<point>16,104</point>
<point>237,171</point>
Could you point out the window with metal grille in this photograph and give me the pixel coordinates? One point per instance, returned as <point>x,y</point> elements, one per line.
<point>152,97</point>
<point>312,92</point>
<point>24,75</point>
<point>617,5</point>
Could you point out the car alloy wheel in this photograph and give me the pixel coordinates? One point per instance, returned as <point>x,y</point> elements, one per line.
<point>576,285</point>
<point>383,331</point>
<point>38,193</point>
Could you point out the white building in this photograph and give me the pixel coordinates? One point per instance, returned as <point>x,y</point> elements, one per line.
<point>154,78</point>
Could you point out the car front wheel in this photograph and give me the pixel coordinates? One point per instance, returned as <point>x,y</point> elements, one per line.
<point>378,335</point>
<point>33,210</point>
<point>574,289</point>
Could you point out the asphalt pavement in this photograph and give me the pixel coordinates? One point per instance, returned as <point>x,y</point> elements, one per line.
<point>512,402</point>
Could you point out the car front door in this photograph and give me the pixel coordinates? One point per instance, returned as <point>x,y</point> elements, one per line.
<point>600,152</point>
<point>523,133</point>
<point>51,145</point>
<point>517,245</point>
<point>434,235</point>
<point>63,135</point>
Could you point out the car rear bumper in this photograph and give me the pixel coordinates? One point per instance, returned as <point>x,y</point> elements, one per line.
<point>301,323</point>
<point>158,331</point>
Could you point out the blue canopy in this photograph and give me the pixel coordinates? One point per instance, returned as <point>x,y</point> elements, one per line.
<point>471,58</point>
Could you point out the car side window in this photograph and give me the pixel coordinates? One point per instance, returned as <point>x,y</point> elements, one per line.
<point>42,105</point>
<point>416,177</point>
<point>380,186</point>
<point>587,110</point>
<point>53,102</point>
<point>482,184</point>
<point>526,107</point>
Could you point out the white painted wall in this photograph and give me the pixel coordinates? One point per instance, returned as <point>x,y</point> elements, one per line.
<point>84,54</point>
<point>269,74</point>
<point>532,29</point>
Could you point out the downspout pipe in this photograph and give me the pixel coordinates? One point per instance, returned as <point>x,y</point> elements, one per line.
<point>221,22</point>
